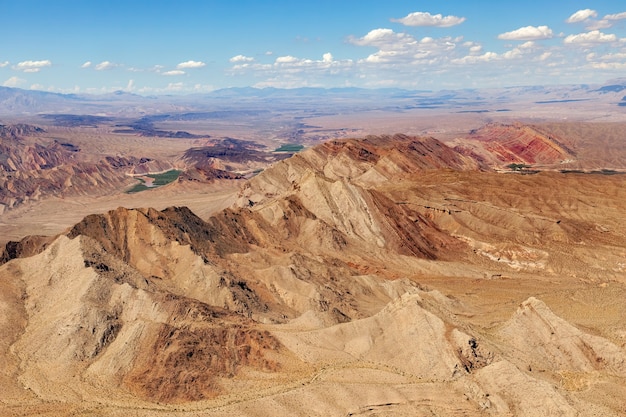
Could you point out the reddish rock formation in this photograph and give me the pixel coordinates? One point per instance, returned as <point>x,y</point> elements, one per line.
<point>504,144</point>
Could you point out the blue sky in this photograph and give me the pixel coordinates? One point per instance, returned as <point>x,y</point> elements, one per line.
<point>185,46</point>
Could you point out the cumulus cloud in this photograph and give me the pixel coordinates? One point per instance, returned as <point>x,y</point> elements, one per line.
<point>402,48</point>
<point>473,59</point>
<point>292,64</point>
<point>409,60</point>
<point>581,16</point>
<point>606,22</point>
<point>610,61</point>
<point>598,24</point>
<point>288,59</point>
<point>105,65</point>
<point>617,16</point>
<point>609,65</point>
<point>86,64</point>
<point>190,64</point>
<point>617,56</point>
<point>4,64</point>
<point>528,51</point>
<point>380,37</point>
<point>473,47</point>
<point>32,66</point>
<point>595,36</point>
<point>293,71</point>
<point>242,58</point>
<point>13,82</point>
<point>427,19</point>
<point>527,33</point>
<point>174,72</point>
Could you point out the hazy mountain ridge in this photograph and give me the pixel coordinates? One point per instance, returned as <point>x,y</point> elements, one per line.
<point>15,101</point>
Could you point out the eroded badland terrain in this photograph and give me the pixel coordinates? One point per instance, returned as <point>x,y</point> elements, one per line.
<point>474,264</point>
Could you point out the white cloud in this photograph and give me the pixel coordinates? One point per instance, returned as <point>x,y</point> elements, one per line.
<point>581,16</point>
<point>544,56</point>
<point>609,65</point>
<point>32,66</point>
<point>286,59</point>
<point>105,65</point>
<point>427,19</point>
<point>528,51</point>
<point>606,22</point>
<point>203,88</point>
<point>289,71</point>
<point>595,36</point>
<point>412,61</point>
<point>382,37</point>
<point>598,24</point>
<point>617,56</point>
<point>131,85</point>
<point>14,82</point>
<point>4,64</point>
<point>190,64</point>
<point>291,64</point>
<point>402,48</point>
<point>473,47</point>
<point>243,58</point>
<point>527,33</point>
<point>473,59</point>
<point>86,64</point>
<point>173,72</point>
<point>175,87</point>
<point>610,61</point>
<point>617,16</point>
<point>592,24</point>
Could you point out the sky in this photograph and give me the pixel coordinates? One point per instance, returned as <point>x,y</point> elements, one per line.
<point>153,47</point>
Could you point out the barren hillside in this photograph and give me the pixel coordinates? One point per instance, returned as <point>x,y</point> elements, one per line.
<point>391,275</point>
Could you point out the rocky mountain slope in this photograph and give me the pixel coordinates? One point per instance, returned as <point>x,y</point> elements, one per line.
<point>37,165</point>
<point>505,144</point>
<point>389,275</point>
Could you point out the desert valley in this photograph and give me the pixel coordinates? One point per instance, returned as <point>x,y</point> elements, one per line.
<point>324,252</point>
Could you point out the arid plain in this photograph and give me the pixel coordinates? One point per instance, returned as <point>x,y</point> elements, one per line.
<point>461,260</point>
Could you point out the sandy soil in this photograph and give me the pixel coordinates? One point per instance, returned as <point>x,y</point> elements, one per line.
<point>51,216</point>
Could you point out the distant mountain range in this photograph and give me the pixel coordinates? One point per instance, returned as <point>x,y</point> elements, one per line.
<point>15,101</point>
